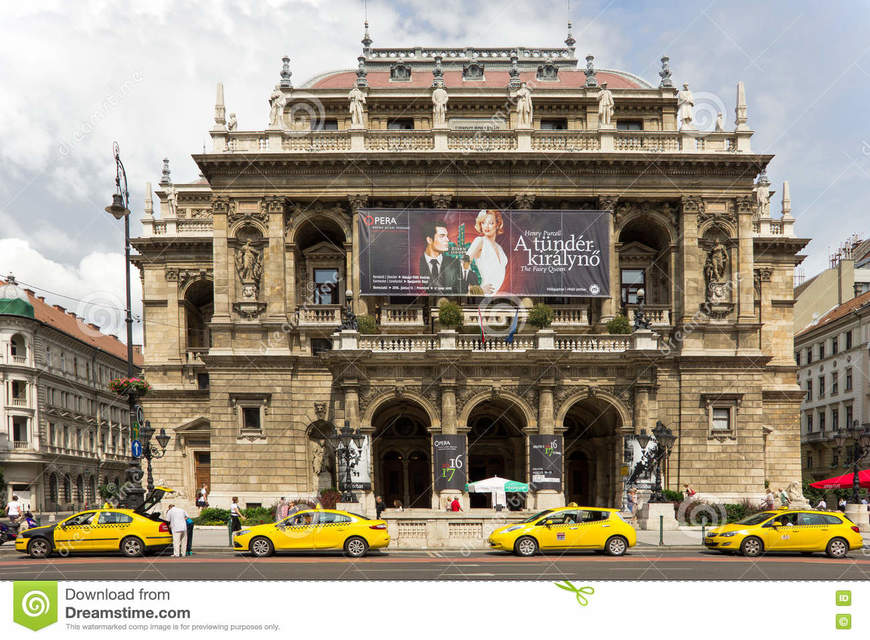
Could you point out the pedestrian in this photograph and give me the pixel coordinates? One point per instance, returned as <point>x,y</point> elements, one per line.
<point>397,505</point>
<point>769,500</point>
<point>282,510</point>
<point>842,504</point>
<point>236,514</point>
<point>294,507</point>
<point>27,522</point>
<point>177,519</point>
<point>689,491</point>
<point>784,500</point>
<point>631,504</point>
<point>379,506</point>
<point>447,502</point>
<point>822,506</point>
<point>455,506</point>
<point>189,522</point>
<point>13,509</point>
<point>202,497</point>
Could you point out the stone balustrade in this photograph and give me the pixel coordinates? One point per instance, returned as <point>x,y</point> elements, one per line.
<point>400,316</point>
<point>495,139</point>
<point>319,316</point>
<point>658,315</point>
<point>767,227</point>
<point>449,340</point>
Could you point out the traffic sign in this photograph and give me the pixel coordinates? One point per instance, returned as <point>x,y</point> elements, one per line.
<point>135,431</point>
<point>137,449</point>
<point>140,415</point>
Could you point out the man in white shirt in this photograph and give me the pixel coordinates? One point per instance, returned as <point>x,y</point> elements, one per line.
<point>13,509</point>
<point>177,519</point>
<point>822,506</point>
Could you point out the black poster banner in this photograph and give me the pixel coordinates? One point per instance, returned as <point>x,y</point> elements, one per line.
<point>450,461</point>
<point>545,462</point>
<point>484,252</point>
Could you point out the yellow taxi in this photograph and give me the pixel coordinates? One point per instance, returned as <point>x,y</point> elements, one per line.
<point>132,532</point>
<point>565,529</point>
<point>314,529</point>
<point>787,530</point>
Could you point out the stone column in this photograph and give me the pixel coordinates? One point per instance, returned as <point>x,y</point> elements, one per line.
<point>746,294</point>
<point>641,408</point>
<point>274,259</point>
<point>290,278</point>
<point>546,424</point>
<point>220,208</point>
<point>610,306</point>
<point>448,406</point>
<point>350,387</point>
<point>356,201</point>
<point>690,259</point>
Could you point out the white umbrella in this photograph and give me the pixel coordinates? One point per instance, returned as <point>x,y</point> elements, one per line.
<point>497,487</point>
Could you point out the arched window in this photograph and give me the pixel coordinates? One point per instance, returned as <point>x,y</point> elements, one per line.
<point>67,489</point>
<point>198,309</point>
<point>52,488</point>
<point>80,490</point>
<point>18,348</point>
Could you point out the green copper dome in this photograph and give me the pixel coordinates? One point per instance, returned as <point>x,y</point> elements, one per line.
<point>13,300</point>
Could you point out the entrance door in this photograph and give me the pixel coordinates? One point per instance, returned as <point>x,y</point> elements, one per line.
<point>392,476</point>
<point>201,469</point>
<point>577,472</point>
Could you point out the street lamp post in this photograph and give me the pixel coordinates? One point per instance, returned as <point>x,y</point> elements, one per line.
<point>664,443</point>
<point>120,208</point>
<point>341,439</point>
<point>860,448</point>
<point>151,451</point>
<point>640,319</point>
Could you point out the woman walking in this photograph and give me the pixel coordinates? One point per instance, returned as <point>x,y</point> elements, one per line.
<point>236,514</point>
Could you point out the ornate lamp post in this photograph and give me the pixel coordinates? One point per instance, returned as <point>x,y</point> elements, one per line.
<point>120,208</point>
<point>664,443</point>
<point>341,440</point>
<point>860,448</point>
<point>640,320</point>
<point>152,451</point>
<point>348,319</point>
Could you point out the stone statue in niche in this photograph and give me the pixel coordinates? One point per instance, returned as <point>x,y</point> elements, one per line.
<point>716,273</point>
<point>523,97</point>
<point>357,105</point>
<point>439,107</point>
<point>605,105</point>
<point>249,265</point>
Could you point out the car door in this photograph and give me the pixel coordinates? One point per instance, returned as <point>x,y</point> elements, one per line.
<point>110,529</point>
<point>332,530</point>
<point>76,533</point>
<point>782,533</point>
<point>558,530</point>
<point>595,528</point>
<point>815,530</point>
<point>297,532</point>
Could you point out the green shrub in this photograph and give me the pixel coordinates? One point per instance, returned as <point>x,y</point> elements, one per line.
<point>619,324</point>
<point>672,496</point>
<point>541,316</point>
<point>450,315</point>
<point>366,324</point>
<point>258,515</point>
<point>212,515</point>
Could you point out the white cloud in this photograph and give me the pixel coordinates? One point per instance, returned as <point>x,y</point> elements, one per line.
<point>94,289</point>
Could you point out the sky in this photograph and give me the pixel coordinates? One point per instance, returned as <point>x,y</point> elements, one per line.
<point>74,77</point>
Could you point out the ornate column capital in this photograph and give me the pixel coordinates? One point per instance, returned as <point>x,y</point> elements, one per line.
<point>357,200</point>
<point>693,204</point>
<point>607,203</point>
<point>524,200</point>
<point>441,200</point>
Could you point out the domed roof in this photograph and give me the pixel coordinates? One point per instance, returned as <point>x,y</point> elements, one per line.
<point>14,300</point>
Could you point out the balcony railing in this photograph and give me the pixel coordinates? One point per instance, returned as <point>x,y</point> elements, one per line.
<point>658,315</point>
<point>399,316</point>
<point>21,444</point>
<point>320,316</point>
<point>451,341</point>
<point>18,401</point>
<point>19,359</point>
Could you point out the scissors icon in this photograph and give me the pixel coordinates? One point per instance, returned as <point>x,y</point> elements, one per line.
<point>581,599</point>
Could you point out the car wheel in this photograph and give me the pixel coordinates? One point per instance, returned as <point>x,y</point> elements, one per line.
<point>38,548</point>
<point>261,547</point>
<point>616,546</point>
<point>355,547</point>
<point>132,547</point>
<point>837,548</point>
<point>526,546</point>
<point>752,547</point>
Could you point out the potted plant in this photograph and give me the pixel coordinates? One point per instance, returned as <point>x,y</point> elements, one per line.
<point>541,316</point>
<point>619,324</point>
<point>366,325</point>
<point>130,386</point>
<point>450,315</point>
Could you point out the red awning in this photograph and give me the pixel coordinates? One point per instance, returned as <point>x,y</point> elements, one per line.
<point>844,481</point>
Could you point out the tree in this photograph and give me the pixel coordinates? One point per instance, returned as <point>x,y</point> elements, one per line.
<point>541,316</point>
<point>619,324</point>
<point>450,315</point>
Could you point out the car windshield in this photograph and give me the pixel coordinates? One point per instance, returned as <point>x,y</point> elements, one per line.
<point>758,518</point>
<point>538,515</point>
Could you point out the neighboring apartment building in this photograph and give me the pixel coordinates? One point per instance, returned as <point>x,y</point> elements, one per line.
<point>847,276</point>
<point>63,432</point>
<point>834,366</point>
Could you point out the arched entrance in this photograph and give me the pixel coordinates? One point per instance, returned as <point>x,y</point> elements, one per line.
<point>496,447</point>
<point>592,446</point>
<point>401,447</point>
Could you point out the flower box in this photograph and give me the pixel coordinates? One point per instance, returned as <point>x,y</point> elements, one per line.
<point>130,386</point>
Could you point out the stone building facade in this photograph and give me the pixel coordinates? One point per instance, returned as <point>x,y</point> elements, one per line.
<point>63,432</point>
<point>243,344</point>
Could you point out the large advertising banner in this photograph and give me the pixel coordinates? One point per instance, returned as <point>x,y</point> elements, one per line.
<point>485,252</point>
<point>545,462</point>
<point>449,456</point>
